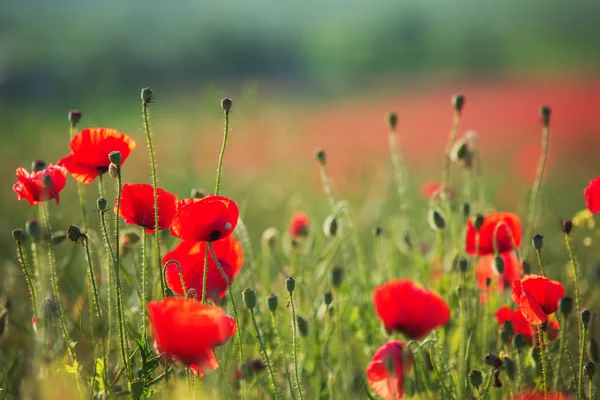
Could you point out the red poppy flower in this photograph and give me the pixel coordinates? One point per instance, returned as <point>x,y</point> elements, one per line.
<point>41,185</point>
<point>405,307</point>
<point>385,372</point>
<point>519,322</point>
<point>430,189</point>
<point>188,331</point>
<point>190,256</point>
<point>537,297</point>
<point>137,206</point>
<point>505,227</point>
<point>534,395</point>
<point>205,220</point>
<point>592,195</point>
<point>486,270</point>
<point>90,149</point>
<point>299,225</point>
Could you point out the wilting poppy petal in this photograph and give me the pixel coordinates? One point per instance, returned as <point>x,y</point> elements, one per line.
<point>592,195</point>
<point>137,206</point>
<point>39,186</point>
<point>188,330</point>
<point>299,225</point>
<point>537,297</point>
<point>385,372</point>
<point>206,220</point>
<point>90,149</point>
<point>504,227</point>
<point>407,308</point>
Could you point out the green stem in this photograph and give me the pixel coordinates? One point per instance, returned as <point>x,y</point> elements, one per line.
<point>274,390</point>
<point>451,139</point>
<point>521,367</point>
<point>561,352</point>
<point>581,389</point>
<point>181,280</point>
<point>543,358</point>
<point>155,188</point>
<point>109,284</point>
<point>282,349</point>
<point>205,275</point>
<point>144,282</point>
<point>539,260</point>
<point>578,308</point>
<point>295,348</point>
<point>29,280</point>
<point>91,277</point>
<point>222,154</point>
<point>327,186</point>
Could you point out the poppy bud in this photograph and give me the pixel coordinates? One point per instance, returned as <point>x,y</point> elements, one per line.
<point>589,369</point>
<point>377,231</point>
<point>458,101</point>
<point>436,220</point>
<point>192,294</point>
<point>249,298</point>
<point>498,265</point>
<point>392,119</point>
<point>478,222</point>
<point>546,112</point>
<point>302,326</point>
<point>101,203</point>
<point>74,117</point>
<point>566,225</point>
<point>538,242</point>
<point>136,388</point>
<point>526,267</point>
<point>58,237</point>
<point>74,234</point>
<point>463,265</point>
<point>19,235</point>
<point>321,156</point>
<point>466,210</point>
<point>565,306</point>
<point>294,244</point>
<point>198,193</point>
<point>257,365</point>
<point>115,157</point>
<point>272,302</point>
<point>113,171</point>
<point>33,229</point>
<point>507,331</point>
<point>488,282</point>
<point>290,285</point>
<point>49,309</point>
<point>336,276</point>
<point>509,366</point>
<point>592,350</point>
<point>328,298</point>
<point>475,378</point>
<point>38,165</point>
<point>330,226</point>
<point>460,152</point>
<point>147,95</point>
<point>407,240</point>
<point>226,104</point>
<point>535,356</point>
<point>269,238</point>
<point>497,382</point>
<point>518,341</point>
<point>492,360</point>
<point>169,292</point>
<point>585,318</point>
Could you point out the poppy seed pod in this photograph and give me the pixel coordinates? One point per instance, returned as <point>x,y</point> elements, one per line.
<point>392,120</point>
<point>19,235</point>
<point>249,298</point>
<point>476,378</point>
<point>585,318</point>
<point>330,226</point>
<point>458,101</point>
<point>566,226</point>
<point>436,220</point>
<point>478,223</point>
<point>302,326</point>
<point>466,210</point>
<point>226,104</point>
<point>33,229</point>
<point>115,157</point>
<point>113,171</point>
<point>463,264</point>
<point>290,285</point>
<point>518,341</point>
<point>565,306</point>
<point>321,156</point>
<point>102,204</point>
<point>538,242</point>
<point>508,329</point>
<point>498,265</point>
<point>589,369</point>
<point>147,95</point>
<point>592,350</point>
<point>272,302</point>
<point>526,267</point>
<point>546,113</point>
<point>74,117</point>
<point>336,276</point>
<point>328,298</point>
<point>38,165</point>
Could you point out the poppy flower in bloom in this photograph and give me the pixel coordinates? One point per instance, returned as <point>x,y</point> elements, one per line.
<point>486,270</point>
<point>385,372</point>
<point>404,307</point>
<point>534,395</point>
<point>39,186</point>
<point>592,195</point>
<point>504,227</point>
<point>537,297</point>
<point>188,331</point>
<point>430,189</point>
<point>90,149</point>
<point>190,256</point>
<point>205,220</point>
<point>137,206</point>
<point>299,225</point>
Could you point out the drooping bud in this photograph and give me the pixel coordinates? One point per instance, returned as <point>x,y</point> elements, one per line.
<point>198,193</point>
<point>509,367</point>
<point>249,298</point>
<point>436,220</point>
<point>463,265</point>
<point>538,242</point>
<point>321,156</point>
<point>592,350</point>
<point>101,203</point>
<point>226,104</point>
<point>34,230</point>
<point>272,302</point>
<point>565,306</point>
<point>336,276</point>
<point>546,112</point>
<point>526,267</point>
<point>290,285</point>
<point>458,101</point>
<point>566,226</point>
<point>302,326</point>
<point>476,378</point>
<point>147,95</point>
<point>585,318</point>
<point>466,210</point>
<point>492,360</point>
<point>169,292</point>
<point>330,226</point>
<point>518,341</point>
<point>478,223</point>
<point>328,298</point>
<point>38,165</point>
<point>392,120</point>
<point>113,171</point>
<point>589,369</point>
<point>498,265</point>
<point>74,234</point>
<point>269,238</point>
<point>507,331</point>
<point>74,117</point>
<point>19,235</point>
<point>115,157</point>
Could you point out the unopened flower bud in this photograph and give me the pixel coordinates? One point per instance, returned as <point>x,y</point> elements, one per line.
<point>458,101</point>
<point>466,210</point>
<point>546,112</point>
<point>74,234</point>
<point>115,157</point>
<point>47,180</point>
<point>269,238</point>
<point>113,171</point>
<point>169,292</point>
<point>565,305</point>
<point>147,95</point>
<point>392,119</point>
<point>566,226</point>
<point>508,330</point>
<point>19,235</point>
<point>328,298</point>
<point>330,226</point>
<point>74,117</point>
<point>272,302</point>
<point>463,265</point>
<point>336,276</point>
<point>34,229</point>
<point>436,220</point>
<point>585,318</point>
<point>538,242</point>
<point>198,193</point>
<point>518,341</point>
<point>290,285</point>
<point>38,165</point>
<point>488,282</point>
<point>377,231</point>
<point>498,265</point>
<point>249,298</point>
<point>101,203</point>
<point>509,367</point>
<point>478,223</point>
<point>476,378</point>
<point>321,156</point>
<point>589,369</point>
<point>592,350</point>
<point>226,104</point>
<point>302,326</point>
<point>526,267</point>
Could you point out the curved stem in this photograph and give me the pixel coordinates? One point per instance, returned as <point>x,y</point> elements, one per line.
<point>29,280</point>
<point>183,288</point>
<point>91,277</point>
<point>451,139</point>
<point>267,360</point>
<point>220,165</point>
<point>295,348</point>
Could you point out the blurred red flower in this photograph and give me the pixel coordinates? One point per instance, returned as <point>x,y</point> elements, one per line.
<point>190,256</point>
<point>522,326</point>
<point>429,189</point>
<point>537,297</point>
<point>534,395</point>
<point>486,270</point>
<point>505,227</point>
<point>385,372</point>
<point>592,195</point>
<point>299,225</point>
<point>137,206</point>
<point>90,149</point>
<point>188,331</point>
<point>39,186</point>
<point>404,307</point>
<point>205,220</point>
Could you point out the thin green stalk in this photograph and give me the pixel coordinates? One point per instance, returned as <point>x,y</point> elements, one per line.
<point>222,154</point>
<point>80,189</point>
<point>578,308</point>
<point>181,280</point>
<point>539,260</point>
<point>521,368</point>
<point>581,388</point>
<point>204,275</point>
<point>155,187</point>
<point>29,280</point>
<point>91,277</point>
<point>462,372</point>
<point>327,186</point>
<point>295,348</point>
<point>451,140</point>
<point>144,282</point>
<point>109,284</point>
<point>282,352</point>
<point>561,352</point>
<point>591,390</point>
<point>543,358</point>
<point>274,390</point>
